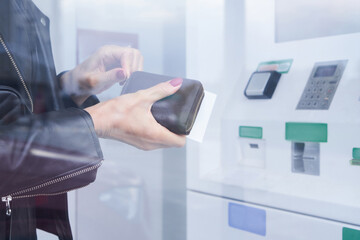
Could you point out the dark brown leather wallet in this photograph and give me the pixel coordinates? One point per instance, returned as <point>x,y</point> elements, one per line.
<point>176,112</point>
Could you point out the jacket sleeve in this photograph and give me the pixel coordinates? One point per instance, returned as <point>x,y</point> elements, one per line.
<point>48,153</point>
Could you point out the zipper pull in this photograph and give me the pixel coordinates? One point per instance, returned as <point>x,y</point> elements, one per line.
<point>7,201</point>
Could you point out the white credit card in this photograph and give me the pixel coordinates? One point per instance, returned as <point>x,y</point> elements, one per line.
<point>202,120</point>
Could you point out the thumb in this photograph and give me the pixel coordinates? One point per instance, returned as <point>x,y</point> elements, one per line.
<point>112,76</point>
<point>164,89</point>
<point>117,75</point>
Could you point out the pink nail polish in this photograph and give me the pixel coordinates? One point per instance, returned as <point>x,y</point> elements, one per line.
<point>120,74</point>
<point>176,82</point>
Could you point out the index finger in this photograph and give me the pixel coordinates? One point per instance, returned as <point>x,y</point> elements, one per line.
<point>125,61</point>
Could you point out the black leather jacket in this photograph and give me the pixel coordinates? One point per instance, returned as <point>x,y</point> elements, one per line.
<point>47,145</point>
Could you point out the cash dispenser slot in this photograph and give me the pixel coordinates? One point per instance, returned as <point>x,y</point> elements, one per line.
<point>305,146</point>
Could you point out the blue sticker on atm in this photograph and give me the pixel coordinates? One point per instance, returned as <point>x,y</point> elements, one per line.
<point>248,219</point>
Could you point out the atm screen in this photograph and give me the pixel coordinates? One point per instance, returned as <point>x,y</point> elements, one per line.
<point>325,71</point>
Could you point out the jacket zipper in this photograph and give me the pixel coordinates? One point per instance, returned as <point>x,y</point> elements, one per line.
<point>17,195</point>
<point>7,201</point>
<point>17,71</point>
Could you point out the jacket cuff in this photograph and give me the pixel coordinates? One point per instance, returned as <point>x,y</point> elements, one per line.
<point>89,121</point>
<point>90,101</point>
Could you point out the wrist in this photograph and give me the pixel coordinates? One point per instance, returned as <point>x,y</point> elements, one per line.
<point>65,79</point>
<point>96,121</point>
<point>101,117</point>
<point>71,88</point>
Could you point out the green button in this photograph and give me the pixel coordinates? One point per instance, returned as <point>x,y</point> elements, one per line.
<point>356,153</point>
<point>250,132</point>
<point>350,234</point>
<point>306,132</point>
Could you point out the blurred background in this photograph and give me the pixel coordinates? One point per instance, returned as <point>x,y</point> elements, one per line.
<point>278,162</point>
<point>133,191</point>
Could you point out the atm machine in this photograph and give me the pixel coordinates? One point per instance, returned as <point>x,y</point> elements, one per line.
<point>286,163</point>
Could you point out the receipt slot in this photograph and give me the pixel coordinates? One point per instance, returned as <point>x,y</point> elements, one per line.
<point>252,147</point>
<point>305,146</point>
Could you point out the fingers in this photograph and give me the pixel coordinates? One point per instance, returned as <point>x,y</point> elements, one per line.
<point>136,65</point>
<point>131,60</point>
<point>160,137</point>
<point>126,62</point>
<point>103,80</point>
<point>116,75</point>
<point>137,62</point>
<point>163,90</point>
<point>112,76</point>
<point>170,139</point>
<point>141,64</point>
<point>148,145</point>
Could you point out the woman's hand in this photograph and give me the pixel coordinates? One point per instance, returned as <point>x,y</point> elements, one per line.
<point>109,65</point>
<point>128,118</point>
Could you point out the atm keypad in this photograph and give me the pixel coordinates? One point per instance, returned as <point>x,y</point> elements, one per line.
<point>321,86</point>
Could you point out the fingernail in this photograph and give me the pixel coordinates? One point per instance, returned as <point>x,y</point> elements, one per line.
<point>120,74</point>
<point>122,82</point>
<point>176,82</point>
